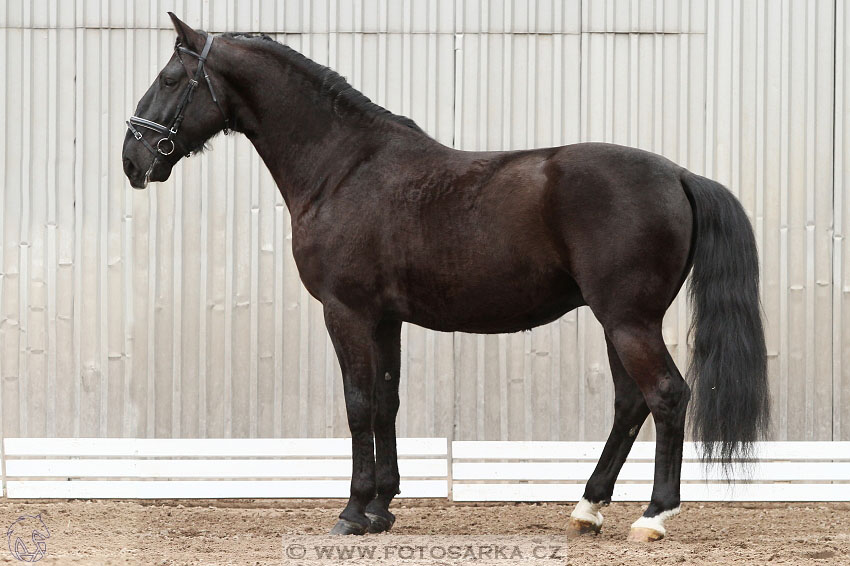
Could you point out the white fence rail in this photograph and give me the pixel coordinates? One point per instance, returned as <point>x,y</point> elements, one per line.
<point>557,471</point>
<point>480,470</point>
<point>146,468</point>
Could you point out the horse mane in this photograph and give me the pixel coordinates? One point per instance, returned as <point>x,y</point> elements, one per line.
<point>330,82</point>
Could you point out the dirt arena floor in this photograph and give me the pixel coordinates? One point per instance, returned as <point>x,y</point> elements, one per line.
<point>256,532</point>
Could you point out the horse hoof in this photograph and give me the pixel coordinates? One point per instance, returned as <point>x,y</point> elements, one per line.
<point>650,529</point>
<point>380,523</point>
<point>578,527</point>
<point>643,534</point>
<point>344,527</point>
<point>585,518</point>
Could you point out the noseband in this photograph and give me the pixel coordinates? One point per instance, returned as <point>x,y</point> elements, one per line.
<point>165,146</point>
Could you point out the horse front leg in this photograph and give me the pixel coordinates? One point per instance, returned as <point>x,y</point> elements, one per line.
<point>353,337</point>
<point>630,411</point>
<point>386,408</point>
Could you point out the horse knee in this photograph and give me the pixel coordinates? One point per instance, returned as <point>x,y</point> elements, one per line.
<point>359,414</point>
<point>385,417</point>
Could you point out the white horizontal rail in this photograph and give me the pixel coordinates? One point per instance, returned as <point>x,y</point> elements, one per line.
<point>554,450</point>
<point>218,469</point>
<point>642,492</point>
<point>644,471</point>
<point>209,447</point>
<point>161,489</point>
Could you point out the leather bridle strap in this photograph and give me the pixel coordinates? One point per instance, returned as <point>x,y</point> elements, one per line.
<point>203,57</point>
<point>166,145</point>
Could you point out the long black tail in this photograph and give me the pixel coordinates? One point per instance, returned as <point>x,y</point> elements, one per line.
<point>730,406</point>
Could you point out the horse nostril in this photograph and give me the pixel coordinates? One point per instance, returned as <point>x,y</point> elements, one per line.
<point>129,167</point>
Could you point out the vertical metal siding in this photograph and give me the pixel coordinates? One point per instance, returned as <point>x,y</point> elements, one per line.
<point>178,312</point>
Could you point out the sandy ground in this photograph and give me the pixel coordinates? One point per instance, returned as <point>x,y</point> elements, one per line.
<point>256,532</point>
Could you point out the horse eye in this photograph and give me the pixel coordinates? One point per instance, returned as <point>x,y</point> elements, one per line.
<point>169,82</point>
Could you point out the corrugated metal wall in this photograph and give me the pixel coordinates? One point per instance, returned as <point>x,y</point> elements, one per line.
<point>178,311</point>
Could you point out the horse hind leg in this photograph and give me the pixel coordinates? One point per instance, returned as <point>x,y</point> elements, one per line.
<point>630,411</point>
<point>629,278</point>
<point>645,357</point>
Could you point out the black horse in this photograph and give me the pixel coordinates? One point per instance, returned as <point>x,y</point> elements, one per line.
<point>388,226</point>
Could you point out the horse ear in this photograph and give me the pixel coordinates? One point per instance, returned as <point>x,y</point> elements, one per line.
<point>187,36</point>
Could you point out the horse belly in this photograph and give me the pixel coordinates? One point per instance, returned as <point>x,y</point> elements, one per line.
<point>492,305</point>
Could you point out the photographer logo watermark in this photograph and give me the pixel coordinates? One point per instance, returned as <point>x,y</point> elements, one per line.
<point>415,550</point>
<point>26,538</point>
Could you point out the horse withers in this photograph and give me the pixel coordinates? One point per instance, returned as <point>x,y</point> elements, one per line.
<point>390,226</point>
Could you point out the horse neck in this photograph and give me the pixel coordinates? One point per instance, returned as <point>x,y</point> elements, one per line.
<point>304,141</point>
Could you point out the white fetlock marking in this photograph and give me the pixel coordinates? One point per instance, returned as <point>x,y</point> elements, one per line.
<point>656,523</point>
<point>587,511</point>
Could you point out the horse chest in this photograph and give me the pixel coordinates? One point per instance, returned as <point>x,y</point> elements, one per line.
<point>307,254</point>
<point>333,263</point>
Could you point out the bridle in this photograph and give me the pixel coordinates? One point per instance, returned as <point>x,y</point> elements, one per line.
<point>165,146</point>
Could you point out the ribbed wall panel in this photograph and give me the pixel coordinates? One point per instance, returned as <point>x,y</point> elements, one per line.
<point>178,311</point>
